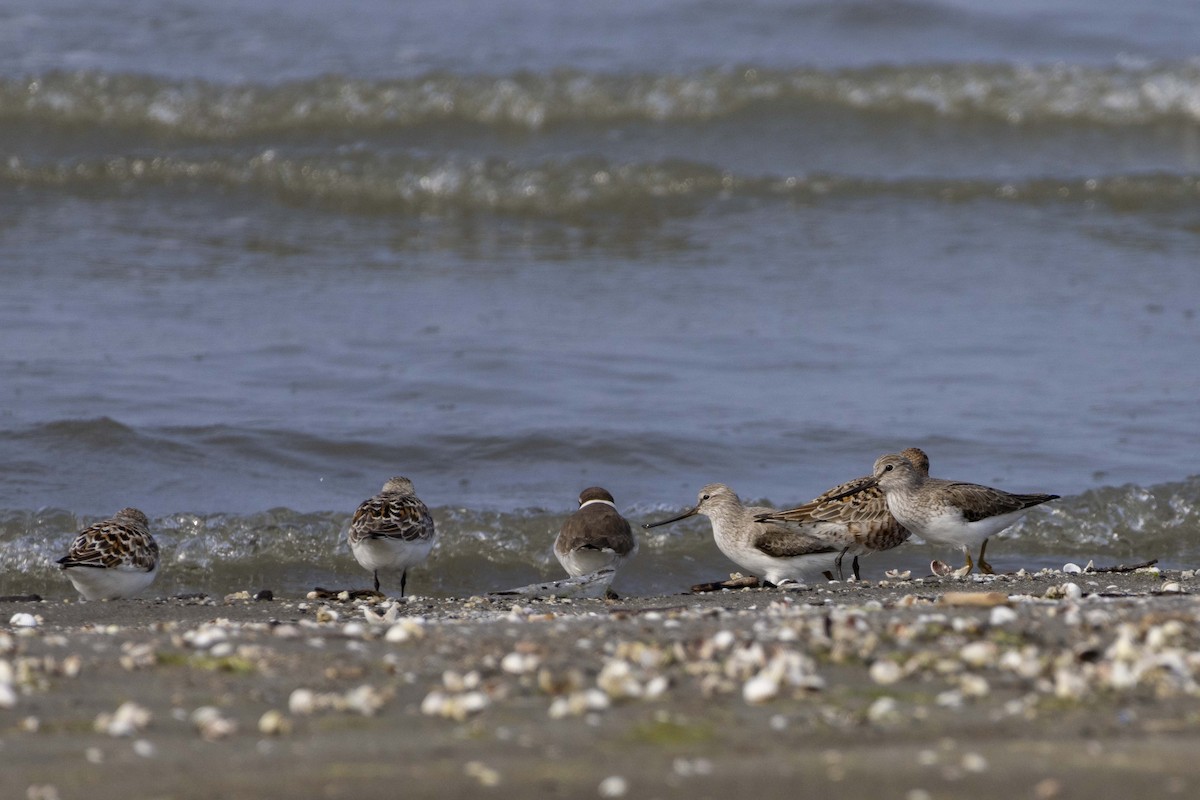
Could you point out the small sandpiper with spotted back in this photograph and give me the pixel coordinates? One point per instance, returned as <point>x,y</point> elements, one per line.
<point>857,522</point>
<point>113,559</point>
<point>392,531</point>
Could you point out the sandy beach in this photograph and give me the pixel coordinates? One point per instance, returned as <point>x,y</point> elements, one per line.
<point>1040,686</point>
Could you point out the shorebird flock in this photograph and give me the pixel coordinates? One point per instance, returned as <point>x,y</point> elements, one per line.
<point>394,531</point>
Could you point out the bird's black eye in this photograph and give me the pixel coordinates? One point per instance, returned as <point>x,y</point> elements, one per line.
<point>706,497</point>
<point>888,468</point>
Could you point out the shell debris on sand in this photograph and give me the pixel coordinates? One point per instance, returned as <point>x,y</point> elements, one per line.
<point>481,772</point>
<point>460,697</point>
<point>212,724</point>
<point>128,719</point>
<point>8,692</point>
<point>365,700</point>
<point>827,660</point>
<point>274,723</point>
<point>786,669</point>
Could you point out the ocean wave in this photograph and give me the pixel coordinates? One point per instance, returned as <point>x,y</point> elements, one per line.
<point>482,551</point>
<point>564,188</point>
<point>1009,94</point>
<point>1131,521</point>
<point>478,552</point>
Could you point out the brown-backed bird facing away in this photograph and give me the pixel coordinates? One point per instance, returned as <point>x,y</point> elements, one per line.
<point>392,531</point>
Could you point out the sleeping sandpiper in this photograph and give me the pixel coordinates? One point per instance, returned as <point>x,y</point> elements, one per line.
<point>113,559</point>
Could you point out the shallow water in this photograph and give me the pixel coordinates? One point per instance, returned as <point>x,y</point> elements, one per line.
<point>258,257</point>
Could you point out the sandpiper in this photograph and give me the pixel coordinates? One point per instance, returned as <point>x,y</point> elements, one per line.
<point>778,554</point>
<point>947,512</point>
<point>857,522</point>
<point>113,559</point>
<point>595,537</point>
<point>392,531</point>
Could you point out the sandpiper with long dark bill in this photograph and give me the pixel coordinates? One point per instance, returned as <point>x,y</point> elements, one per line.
<point>772,551</point>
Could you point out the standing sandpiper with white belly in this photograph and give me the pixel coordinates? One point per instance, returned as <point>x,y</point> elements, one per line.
<point>777,554</point>
<point>948,512</point>
<point>392,531</point>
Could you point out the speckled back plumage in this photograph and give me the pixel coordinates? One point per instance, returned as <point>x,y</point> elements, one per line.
<point>113,559</point>
<point>392,531</point>
<point>858,520</point>
<point>395,513</point>
<point>124,541</point>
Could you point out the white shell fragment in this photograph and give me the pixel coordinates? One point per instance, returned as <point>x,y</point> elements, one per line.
<point>211,724</point>
<point>613,786</point>
<point>274,723</point>
<point>885,672</point>
<point>128,719</point>
<point>365,700</point>
<point>787,669</point>
<point>577,704</point>
<point>1001,615</point>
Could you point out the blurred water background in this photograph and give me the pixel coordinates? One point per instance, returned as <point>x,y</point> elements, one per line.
<point>259,256</point>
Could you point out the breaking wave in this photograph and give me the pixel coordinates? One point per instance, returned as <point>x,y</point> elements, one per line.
<point>558,189</point>
<point>482,551</point>
<point>1116,95</point>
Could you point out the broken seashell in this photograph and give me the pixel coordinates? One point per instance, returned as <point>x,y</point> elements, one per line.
<point>885,672</point>
<point>940,568</point>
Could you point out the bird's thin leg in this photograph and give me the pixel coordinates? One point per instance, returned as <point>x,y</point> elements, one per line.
<point>837,562</point>
<point>854,568</point>
<point>984,566</point>
<point>403,581</point>
<point>377,580</point>
<point>970,565</point>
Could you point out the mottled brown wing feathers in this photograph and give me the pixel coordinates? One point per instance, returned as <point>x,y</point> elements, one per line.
<point>392,516</point>
<point>843,489</point>
<point>786,544</point>
<point>980,502</point>
<point>866,506</point>
<point>112,544</point>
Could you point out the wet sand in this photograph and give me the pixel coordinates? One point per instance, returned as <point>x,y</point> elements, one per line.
<point>1037,686</point>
